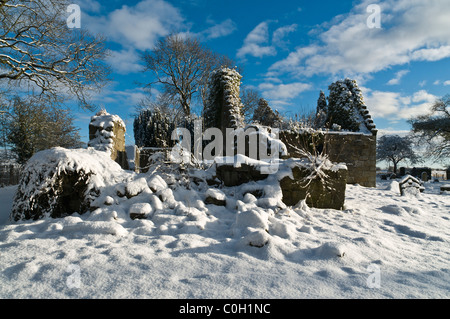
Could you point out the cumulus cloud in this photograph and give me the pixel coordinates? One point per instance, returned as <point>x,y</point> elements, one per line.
<point>254,43</point>
<point>411,31</point>
<point>138,26</point>
<point>398,77</point>
<point>258,44</point>
<point>395,106</point>
<point>281,91</point>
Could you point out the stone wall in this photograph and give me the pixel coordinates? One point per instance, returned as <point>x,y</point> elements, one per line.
<point>356,150</point>
<point>299,184</point>
<point>329,193</point>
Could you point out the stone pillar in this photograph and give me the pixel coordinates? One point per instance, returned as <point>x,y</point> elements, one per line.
<point>107,133</point>
<point>223,105</point>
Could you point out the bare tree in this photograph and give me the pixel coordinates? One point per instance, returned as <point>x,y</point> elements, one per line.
<point>393,148</point>
<point>39,123</point>
<point>162,104</point>
<point>434,129</point>
<point>39,51</point>
<point>182,65</point>
<point>250,99</point>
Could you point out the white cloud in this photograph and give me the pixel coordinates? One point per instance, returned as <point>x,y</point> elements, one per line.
<point>258,44</point>
<point>218,30</point>
<point>89,5</point>
<point>394,106</point>
<point>222,29</point>
<point>392,131</point>
<point>124,61</point>
<point>283,92</point>
<point>446,83</point>
<point>254,42</point>
<point>434,54</point>
<point>138,26</point>
<point>398,77</point>
<point>125,97</point>
<point>278,37</point>
<point>411,31</point>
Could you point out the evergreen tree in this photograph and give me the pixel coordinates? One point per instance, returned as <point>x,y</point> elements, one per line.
<point>153,129</point>
<point>321,111</point>
<point>264,115</point>
<point>344,104</point>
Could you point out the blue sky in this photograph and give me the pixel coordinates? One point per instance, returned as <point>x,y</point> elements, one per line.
<point>288,50</point>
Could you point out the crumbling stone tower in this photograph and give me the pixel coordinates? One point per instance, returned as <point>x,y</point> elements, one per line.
<point>223,107</point>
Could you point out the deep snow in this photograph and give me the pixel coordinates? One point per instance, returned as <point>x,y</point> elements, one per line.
<point>381,246</point>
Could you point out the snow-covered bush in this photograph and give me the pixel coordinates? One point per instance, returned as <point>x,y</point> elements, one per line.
<point>58,182</point>
<point>264,115</point>
<point>316,180</point>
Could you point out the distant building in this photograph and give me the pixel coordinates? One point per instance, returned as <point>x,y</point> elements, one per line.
<point>439,174</point>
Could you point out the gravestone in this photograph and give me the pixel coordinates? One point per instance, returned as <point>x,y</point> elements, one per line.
<point>424,177</point>
<point>445,188</point>
<point>410,185</point>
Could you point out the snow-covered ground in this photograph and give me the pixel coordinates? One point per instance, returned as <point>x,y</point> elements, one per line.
<point>381,246</point>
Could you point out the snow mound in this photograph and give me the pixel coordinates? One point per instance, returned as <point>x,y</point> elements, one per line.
<point>330,249</point>
<point>51,177</point>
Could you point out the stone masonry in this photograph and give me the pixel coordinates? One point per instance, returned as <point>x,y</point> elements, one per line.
<point>356,150</point>
<point>107,133</point>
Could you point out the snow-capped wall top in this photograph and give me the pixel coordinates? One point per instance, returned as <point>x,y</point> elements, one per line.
<point>52,162</point>
<point>105,120</point>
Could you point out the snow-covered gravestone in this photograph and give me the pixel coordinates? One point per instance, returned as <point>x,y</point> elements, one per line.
<point>107,133</point>
<point>410,185</point>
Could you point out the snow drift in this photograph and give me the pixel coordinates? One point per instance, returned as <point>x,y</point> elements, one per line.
<point>58,182</point>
